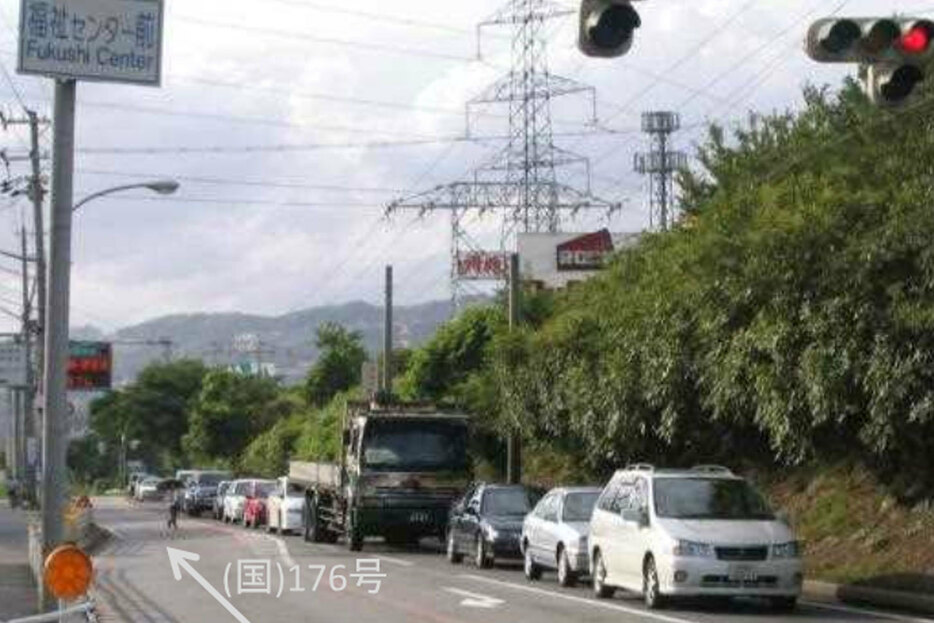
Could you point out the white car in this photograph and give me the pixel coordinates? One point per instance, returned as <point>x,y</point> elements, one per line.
<point>235,500</point>
<point>148,489</point>
<point>696,532</point>
<point>284,507</point>
<point>554,535</point>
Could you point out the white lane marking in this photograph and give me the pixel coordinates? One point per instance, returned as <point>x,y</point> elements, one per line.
<point>180,559</point>
<point>283,550</point>
<point>864,612</point>
<point>475,600</point>
<point>396,561</point>
<point>590,602</point>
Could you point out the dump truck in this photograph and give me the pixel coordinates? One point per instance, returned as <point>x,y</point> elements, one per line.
<point>400,469</point>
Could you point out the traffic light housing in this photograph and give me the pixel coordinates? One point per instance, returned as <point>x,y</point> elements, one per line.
<point>896,53</point>
<point>607,27</point>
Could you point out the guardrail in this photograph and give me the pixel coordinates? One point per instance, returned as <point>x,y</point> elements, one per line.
<point>84,611</point>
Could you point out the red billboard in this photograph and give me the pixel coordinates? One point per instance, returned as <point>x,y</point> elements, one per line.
<point>482,266</point>
<point>588,252</point>
<point>90,366</point>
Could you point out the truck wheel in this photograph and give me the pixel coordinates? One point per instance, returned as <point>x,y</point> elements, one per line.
<point>312,529</point>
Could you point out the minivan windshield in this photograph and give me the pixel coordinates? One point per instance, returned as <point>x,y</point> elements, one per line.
<point>579,506</point>
<point>709,498</point>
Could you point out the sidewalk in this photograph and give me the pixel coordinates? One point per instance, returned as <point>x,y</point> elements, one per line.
<point>18,593</point>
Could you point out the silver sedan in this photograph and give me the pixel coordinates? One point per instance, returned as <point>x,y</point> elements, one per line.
<point>554,534</point>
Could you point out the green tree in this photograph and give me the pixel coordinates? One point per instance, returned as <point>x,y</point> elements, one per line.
<point>229,412</point>
<point>154,410</point>
<point>339,365</point>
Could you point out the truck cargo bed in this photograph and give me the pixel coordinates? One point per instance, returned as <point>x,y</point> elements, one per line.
<point>315,474</point>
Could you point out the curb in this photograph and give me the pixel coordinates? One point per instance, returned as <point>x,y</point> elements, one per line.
<point>866,595</point>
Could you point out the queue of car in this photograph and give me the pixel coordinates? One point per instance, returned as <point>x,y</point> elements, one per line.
<point>664,533</point>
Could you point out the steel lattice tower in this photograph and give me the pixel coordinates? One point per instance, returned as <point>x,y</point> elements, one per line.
<point>661,163</point>
<point>521,182</point>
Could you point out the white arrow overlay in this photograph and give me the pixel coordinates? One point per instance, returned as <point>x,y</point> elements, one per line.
<point>475,600</point>
<point>179,560</point>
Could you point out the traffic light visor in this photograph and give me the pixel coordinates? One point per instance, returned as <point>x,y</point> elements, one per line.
<point>841,36</point>
<point>901,84</point>
<point>612,27</point>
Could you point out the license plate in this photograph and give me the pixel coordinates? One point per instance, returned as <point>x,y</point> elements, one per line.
<point>419,517</point>
<point>743,573</point>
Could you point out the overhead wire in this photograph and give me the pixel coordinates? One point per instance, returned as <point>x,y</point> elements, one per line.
<point>308,37</point>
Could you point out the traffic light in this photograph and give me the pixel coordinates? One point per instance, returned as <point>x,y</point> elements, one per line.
<point>607,27</point>
<point>895,53</point>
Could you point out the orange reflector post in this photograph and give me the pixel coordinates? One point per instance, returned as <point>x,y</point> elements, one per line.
<point>68,572</point>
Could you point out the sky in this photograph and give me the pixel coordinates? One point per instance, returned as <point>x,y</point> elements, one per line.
<point>282,120</point>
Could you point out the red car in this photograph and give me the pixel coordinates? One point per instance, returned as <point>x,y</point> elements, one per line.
<point>254,510</point>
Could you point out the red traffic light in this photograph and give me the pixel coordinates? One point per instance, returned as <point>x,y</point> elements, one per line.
<point>915,41</point>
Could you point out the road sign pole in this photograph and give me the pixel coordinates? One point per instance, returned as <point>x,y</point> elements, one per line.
<point>55,403</point>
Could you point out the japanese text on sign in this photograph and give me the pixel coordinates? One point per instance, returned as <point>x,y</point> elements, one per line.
<point>260,576</point>
<point>110,40</point>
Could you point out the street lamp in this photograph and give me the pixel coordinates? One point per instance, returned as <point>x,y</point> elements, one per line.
<point>54,395</point>
<point>163,187</point>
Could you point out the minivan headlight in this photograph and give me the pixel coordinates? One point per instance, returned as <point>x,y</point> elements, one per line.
<point>792,549</point>
<point>690,549</point>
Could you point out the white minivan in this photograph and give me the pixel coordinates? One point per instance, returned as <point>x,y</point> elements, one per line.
<point>695,532</point>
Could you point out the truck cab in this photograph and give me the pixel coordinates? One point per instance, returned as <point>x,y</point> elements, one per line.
<point>401,468</point>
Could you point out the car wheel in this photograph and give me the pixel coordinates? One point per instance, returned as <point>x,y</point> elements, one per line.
<point>532,570</point>
<point>600,588</point>
<point>453,556</point>
<point>784,604</point>
<point>651,591</point>
<point>481,557</point>
<point>566,577</point>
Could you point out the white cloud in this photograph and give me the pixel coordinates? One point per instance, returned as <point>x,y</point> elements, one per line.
<point>137,259</point>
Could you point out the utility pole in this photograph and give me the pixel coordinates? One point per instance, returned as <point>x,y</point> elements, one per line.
<point>28,426</point>
<point>514,442</point>
<point>387,336</point>
<point>55,403</point>
<point>37,195</point>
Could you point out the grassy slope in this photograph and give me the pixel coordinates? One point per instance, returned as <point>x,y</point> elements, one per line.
<point>855,532</point>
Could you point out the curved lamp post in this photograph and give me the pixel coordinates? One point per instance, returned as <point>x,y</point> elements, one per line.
<point>55,352</point>
<point>163,187</point>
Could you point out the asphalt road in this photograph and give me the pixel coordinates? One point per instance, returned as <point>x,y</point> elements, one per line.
<point>135,583</point>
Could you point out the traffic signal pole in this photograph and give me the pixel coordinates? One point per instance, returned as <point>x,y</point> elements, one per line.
<point>55,403</point>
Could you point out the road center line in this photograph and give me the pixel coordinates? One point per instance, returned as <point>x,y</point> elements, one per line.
<point>590,602</point>
<point>396,561</point>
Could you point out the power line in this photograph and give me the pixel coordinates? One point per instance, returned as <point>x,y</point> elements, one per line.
<point>222,181</point>
<point>346,99</point>
<point>730,99</point>
<point>247,202</point>
<point>356,45</point>
<point>379,17</point>
<point>287,148</point>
